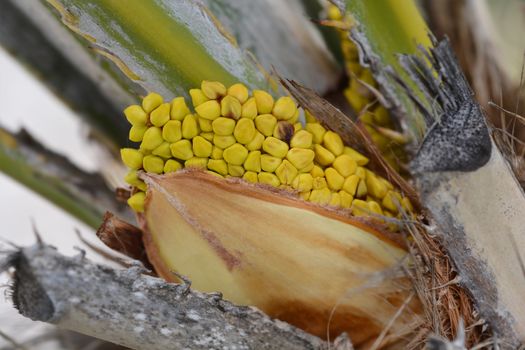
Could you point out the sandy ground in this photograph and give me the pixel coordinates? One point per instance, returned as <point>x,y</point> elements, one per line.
<point>26,102</point>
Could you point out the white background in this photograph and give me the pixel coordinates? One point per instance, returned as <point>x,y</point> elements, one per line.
<point>24,101</point>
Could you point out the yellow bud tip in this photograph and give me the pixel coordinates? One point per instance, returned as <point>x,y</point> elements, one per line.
<point>151,101</point>
<point>231,107</point>
<point>284,108</point>
<point>197,97</point>
<point>264,101</point>
<point>223,126</point>
<point>275,147</point>
<point>265,123</point>
<point>136,115</point>
<point>235,154</point>
<point>213,89</point>
<point>239,91</point>
<point>244,131</point>
<point>210,110</point>
<point>132,158</point>
<point>136,201</point>
<point>160,115</point>
<point>179,109</point>
<point>152,138</point>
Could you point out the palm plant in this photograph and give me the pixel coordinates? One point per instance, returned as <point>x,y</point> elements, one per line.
<point>379,185</point>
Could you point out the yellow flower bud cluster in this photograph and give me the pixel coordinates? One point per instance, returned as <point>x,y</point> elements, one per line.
<point>376,119</point>
<point>257,138</point>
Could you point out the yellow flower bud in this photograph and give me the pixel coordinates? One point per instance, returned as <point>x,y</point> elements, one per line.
<point>270,163</point>
<point>201,147</point>
<point>239,91</point>
<point>286,172</point>
<point>219,166</point>
<point>160,115</point>
<point>334,13</point>
<point>231,107</point>
<point>136,132</point>
<point>244,131</point>
<point>250,176</point>
<point>317,171</point>
<point>268,179</point>
<point>361,172</point>
<point>323,156</point>
<point>301,139</point>
<point>153,164</point>
<point>309,117</point>
<point>213,89</point>
<point>208,136</point>
<point>210,110</point>
<point>407,206</point>
<point>151,101</point>
<point>361,189</point>
<point>295,117</point>
<point>303,182</point>
<point>375,187</point>
<point>136,115</point>
<point>320,196</point>
<point>132,179</point>
<point>249,109</point>
<point>163,150</point>
<point>392,201</point>
<point>223,126</point>
<point>304,195</point>
<point>216,153</point>
<point>190,127</point>
<point>205,125</point>
<point>136,201</point>
<point>300,157</point>
<point>346,199</point>
<point>335,201</point>
<point>334,180</point>
<point>297,126</point>
<point>182,149</point>
<point>358,157</point>
<point>387,183</point>
<point>317,131</point>
<point>172,131</point>
<point>196,162</point>
<point>172,165</point>
<point>360,208</point>
<point>152,138</point>
<point>283,131</point>
<point>319,183</point>
<point>264,101</point>
<point>256,142</point>
<point>235,170</point>
<point>284,108</point>
<point>179,109</point>
<point>381,116</point>
<point>265,123</point>
<point>197,97</point>
<point>307,168</point>
<point>253,161</point>
<point>375,207</point>
<point>275,147</point>
<point>131,157</point>
<point>345,165</point>
<point>332,142</point>
<point>235,154</point>
<point>223,141</point>
<point>351,183</point>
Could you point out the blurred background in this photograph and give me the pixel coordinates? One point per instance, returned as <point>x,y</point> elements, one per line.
<point>59,175</point>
